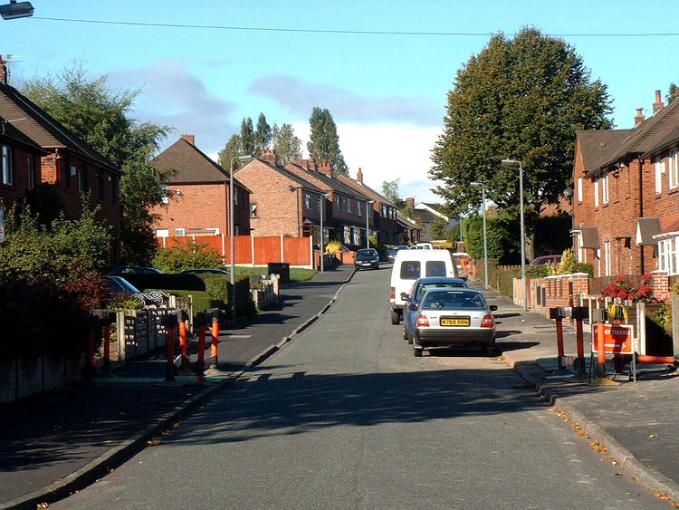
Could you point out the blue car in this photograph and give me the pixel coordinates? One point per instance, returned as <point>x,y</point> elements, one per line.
<point>417,292</point>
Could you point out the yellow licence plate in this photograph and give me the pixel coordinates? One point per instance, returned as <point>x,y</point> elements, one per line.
<point>455,321</point>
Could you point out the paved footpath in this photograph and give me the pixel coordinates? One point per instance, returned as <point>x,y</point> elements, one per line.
<point>635,422</point>
<point>55,438</point>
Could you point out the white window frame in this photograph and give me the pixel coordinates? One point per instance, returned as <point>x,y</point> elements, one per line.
<point>674,168</point>
<point>165,199</point>
<point>348,205</point>
<point>668,255</point>
<point>608,266</point>
<point>579,250</point>
<point>163,232</point>
<point>6,177</point>
<point>180,232</point>
<point>595,183</point>
<point>598,260</point>
<point>253,209</point>
<point>604,188</point>
<point>307,200</point>
<point>359,207</point>
<point>580,194</point>
<point>659,171</point>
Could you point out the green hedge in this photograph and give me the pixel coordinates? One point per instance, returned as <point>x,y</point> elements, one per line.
<point>505,285</point>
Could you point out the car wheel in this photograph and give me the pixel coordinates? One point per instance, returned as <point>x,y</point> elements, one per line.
<point>395,317</point>
<point>417,353</point>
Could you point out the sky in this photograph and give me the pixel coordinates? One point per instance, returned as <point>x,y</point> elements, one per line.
<point>387,93</point>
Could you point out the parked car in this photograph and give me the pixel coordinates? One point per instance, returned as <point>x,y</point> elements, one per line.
<point>454,317</point>
<point>118,285</point>
<point>367,258</point>
<point>411,265</point>
<point>205,270</point>
<point>391,252</point>
<point>546,259</point>
<point>135,270</point>
<point>417,292</point>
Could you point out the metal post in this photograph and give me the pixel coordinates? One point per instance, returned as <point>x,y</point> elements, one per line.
<point>232,249</point>
<point>485,238</point>
<point>523,240</point>
<point>322,240</point>
<point>367,226</point>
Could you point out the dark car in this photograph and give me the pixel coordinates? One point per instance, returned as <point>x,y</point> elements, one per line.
<point>546,259</point>
<point>135,270</point>
<point>367,258</point>
<point>419,289</point>
<point>118,285</point>
<point>391,252</point>
<point>205,270</point>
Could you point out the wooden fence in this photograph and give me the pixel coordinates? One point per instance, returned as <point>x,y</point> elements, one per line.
<point>251,250</point>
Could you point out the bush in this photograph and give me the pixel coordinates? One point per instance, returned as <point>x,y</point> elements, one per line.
<point>333,247</point>
<point>187,256</point>
<point>505,282</point>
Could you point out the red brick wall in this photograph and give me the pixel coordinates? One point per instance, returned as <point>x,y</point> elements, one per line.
<point>194,206</point>
<point>9,194</point>
<point>665,204</point>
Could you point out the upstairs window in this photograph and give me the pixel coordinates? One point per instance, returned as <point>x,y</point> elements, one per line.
<point>84,185</point>
<point>595,183</point>
<point>580,189</point>
<point>674,169</point>
<point>359,208</point>
<point>7,171</point>
<point>307,200</point>
<point>236,192</point>
<point>604,187</point>
<point>253,210</point>
<point>659,171</point>
<point>165,199</point>
<point>348,205</point>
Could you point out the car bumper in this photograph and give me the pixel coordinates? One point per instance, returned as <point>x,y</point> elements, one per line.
<point>454,337</point>
<point>367,265</point>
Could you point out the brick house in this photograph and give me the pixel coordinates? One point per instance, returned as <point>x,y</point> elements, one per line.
<point>281,203</point>
<point>198,195</point>
<point>19,164</point>
<point>425,214</point>
<point>347,207</point>
<point>626,195</point>
<point>384,212</point>
<point>68,162</point>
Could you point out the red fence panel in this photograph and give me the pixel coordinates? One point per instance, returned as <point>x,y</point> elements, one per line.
<point>267,249</point>
<point>297,251</point>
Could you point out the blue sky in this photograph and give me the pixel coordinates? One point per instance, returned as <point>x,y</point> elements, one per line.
<point>387,93</point>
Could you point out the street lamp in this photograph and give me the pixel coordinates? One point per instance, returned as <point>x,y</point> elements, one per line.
<point>367,226</point>
<point>243,160</point>
<point>523,233</point>
<point>323,197</point>
<point>485,236</point>
<point>15,10</point>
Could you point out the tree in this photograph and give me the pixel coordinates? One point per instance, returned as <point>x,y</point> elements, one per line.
<point>286,145</point>
<point>262,135</point>
<point>324,141</point>
<point>671,92</point>
<point>247,137</point>
<point>231,149</point>
<point>101,117</point>
<point>439,229</point>
<point>520,98</point>
<point>391,192</point>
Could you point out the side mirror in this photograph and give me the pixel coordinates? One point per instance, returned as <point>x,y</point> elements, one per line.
<point>413,306</point>
<point>405,296</point>
<point>493,308</point>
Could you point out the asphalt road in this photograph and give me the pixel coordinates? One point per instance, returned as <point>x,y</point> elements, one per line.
<point>346,417</point>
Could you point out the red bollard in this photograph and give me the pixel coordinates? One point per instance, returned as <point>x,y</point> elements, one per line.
<point>201,351</point>
<point>183,342</point>
<point>579,364</point>
<point>169,372</point>
<point>214,348</point>
<point>601,349</point>
<point>107,347</point>
<point>559,341</point>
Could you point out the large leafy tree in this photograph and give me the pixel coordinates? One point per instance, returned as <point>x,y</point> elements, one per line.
<point>520,98</point>
<point>324,141</point>
<point>390,189</point>
<point>102,117</point>
<point>231,149</point>
<point>286,144</point>
<point>262,135</point>
<point>247,137</point>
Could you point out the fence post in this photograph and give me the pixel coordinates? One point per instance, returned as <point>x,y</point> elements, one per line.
<point>311,251</point>
<point>223,247</point>
<point>252,248</point>
<point>282,249</point>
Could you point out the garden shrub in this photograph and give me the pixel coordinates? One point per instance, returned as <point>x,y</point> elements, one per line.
<point>187,256</point>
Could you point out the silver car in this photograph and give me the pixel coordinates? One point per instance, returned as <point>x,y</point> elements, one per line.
<point>454,317</point>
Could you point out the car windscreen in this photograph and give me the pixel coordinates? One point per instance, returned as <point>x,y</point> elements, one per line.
<point>365,255</point>
<point>423,288</point>
<point>459,299</point>
<point>435,268</point>
<point>127,286</point>
<point>410,270</point>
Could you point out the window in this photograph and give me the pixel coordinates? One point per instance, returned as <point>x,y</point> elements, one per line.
<point>348,205</point>
<point>595,182</point>
<point>84,186</point>
<point>307,200</point>
<point>435,268</point>
<point>674,169</point>
<point>165,199</point>
<point>7,177</point>
<point>101,191</point>
<point>659,171</point>
<point>162,232</point>
<point>580,252</point>
<point>339,203</point>
<point>359,208</point>
<point>347,234</point>
<point>604,187</point>
<point>72,174</point>
<point>30,169</point>
<point>579,189</point>
<point>114,189</point>
<point>667,255</point>
<point>253,210</point>
<point>607,259</point>
<point>410,270</point>
<point>356,235</point>
<point>179,232</point>
<point>236,192</point>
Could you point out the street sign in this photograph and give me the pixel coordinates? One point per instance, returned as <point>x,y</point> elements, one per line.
<point>618,338</point>
<point>2,225</point>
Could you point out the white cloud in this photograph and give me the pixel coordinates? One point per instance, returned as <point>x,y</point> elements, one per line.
<point>386,152</point>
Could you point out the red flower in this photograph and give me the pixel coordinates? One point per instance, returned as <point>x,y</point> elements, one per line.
<point>619,279</point>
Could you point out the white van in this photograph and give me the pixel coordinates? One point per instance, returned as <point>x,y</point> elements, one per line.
<point>410,265</point>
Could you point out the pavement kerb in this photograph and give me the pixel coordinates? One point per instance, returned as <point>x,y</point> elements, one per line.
<point>647,476</point>
<point>112,458</point>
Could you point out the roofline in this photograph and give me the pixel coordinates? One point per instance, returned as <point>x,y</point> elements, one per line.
<point>286,173</point>
<point>354,194</point>
<point>432,210</point>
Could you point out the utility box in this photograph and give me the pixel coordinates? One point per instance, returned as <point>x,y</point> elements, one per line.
<point>282,269</point>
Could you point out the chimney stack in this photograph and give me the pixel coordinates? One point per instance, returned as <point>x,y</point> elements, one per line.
<point>190,138</point>
<point>269,155</point>
<point>410,203</point>
<point>639,117</point>
<point>325,168</point>
<point>359,176</point>
<point>658,105</point>
<point>3,71</point>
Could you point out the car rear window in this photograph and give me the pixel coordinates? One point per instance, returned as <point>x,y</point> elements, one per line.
<point>445,299</point>
<point>422,289</point>
<point>410,269</point>
<point>435,268</point>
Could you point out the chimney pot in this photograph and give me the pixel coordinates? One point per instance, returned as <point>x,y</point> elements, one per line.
<point>639,117</point>
<point>325,168</point>
<point>269,155</point>
<point>410,203</point>
<point>359,175</point>
<point>190,138</point>
<point>658,105</point>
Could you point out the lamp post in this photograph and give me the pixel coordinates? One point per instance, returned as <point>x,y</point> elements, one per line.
<point>485,236</point>
<point>367,226</point>
<point>323,197</point>
<point>15,10</point>
<point>523,233</point>
<point>243,160</point>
